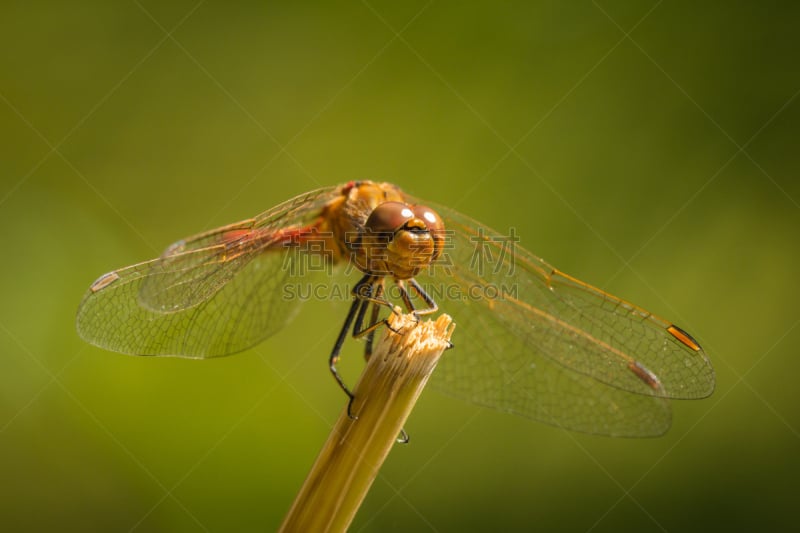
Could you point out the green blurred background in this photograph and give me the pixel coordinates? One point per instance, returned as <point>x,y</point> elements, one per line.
<point>649,148</point>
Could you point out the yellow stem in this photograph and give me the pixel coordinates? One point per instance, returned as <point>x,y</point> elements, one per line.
<point>384,396</point>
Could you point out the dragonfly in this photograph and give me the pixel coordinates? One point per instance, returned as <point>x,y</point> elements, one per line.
<point>533,341</point>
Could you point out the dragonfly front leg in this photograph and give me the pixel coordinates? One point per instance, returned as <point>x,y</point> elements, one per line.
<point>376,300</point>
<point>432,307</point>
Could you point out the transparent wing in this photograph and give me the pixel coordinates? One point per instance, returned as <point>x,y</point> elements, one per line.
<point>536,342</point>
<point>192,270</point>
<point>212,294</point>
<point>479,370</point>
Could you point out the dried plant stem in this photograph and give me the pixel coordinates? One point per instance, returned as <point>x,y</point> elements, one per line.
<point>384,396</point>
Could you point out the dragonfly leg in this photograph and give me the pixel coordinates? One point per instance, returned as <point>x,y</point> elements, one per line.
<point>358,329</point>
<point>373,320</point>
<point>401,287</point>
<point>355,309</point>
<point>432,307</point>
<point>403,437</point>
<point>405,296</point>
<point>364,293</point>
<point>369,292</point>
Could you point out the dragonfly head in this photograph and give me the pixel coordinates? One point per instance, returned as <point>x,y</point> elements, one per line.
<point>400,239</point>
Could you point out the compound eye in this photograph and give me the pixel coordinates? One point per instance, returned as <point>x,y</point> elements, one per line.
<point>431,219</point>
<point>389,217</point>
<point>434,225</point>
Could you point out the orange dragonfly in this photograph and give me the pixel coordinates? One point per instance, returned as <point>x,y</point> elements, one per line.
<point>533,341</point>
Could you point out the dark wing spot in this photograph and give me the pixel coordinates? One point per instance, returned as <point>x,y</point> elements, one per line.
<point>684,337</point>
<point>645,375</point>
<point>104,281</point>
